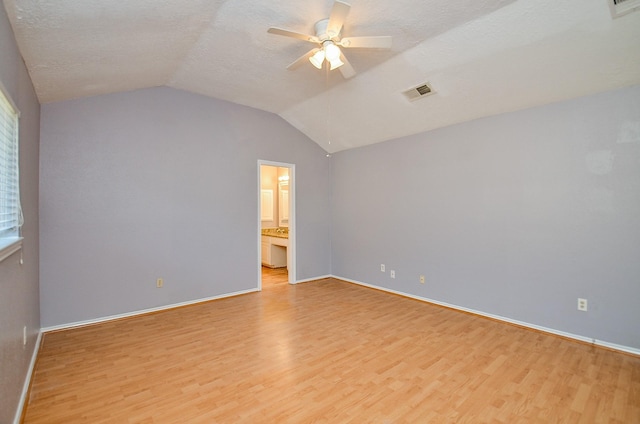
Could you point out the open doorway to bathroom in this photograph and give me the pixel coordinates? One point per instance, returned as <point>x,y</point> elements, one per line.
<point>276,223</point>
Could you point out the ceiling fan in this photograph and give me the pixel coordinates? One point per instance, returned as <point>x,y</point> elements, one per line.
<point>329,38</point>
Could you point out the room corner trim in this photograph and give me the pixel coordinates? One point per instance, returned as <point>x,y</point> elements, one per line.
<point>27,381</point>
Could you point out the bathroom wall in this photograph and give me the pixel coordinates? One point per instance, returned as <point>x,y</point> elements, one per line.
<point>269,181</point>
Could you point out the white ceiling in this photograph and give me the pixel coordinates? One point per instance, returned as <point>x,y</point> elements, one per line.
<point>482,57</point>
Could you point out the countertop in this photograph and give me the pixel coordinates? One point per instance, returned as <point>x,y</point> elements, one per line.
<point>281,232</point>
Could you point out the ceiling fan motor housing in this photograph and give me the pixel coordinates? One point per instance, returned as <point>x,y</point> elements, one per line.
<point>321,31</point>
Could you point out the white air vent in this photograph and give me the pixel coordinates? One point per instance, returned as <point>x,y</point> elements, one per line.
<point>418,91</point>
<point>622,7</point>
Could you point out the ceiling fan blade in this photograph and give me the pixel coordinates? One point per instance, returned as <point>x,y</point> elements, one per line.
<point>302,59</point>
<point>339,13</point>
<point>346,70</point>
<point>293,34</point>
<point>374,42</point>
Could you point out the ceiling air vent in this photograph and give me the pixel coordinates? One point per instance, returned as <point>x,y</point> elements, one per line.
<point>418,92</point>
<point>622,7</point>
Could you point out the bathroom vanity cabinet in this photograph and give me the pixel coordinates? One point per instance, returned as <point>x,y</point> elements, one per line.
<point>274,251</point>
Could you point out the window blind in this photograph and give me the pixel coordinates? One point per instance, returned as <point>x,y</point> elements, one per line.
<point>10,213</point>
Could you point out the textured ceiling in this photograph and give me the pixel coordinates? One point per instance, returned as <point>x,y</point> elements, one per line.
<point>482,57</point>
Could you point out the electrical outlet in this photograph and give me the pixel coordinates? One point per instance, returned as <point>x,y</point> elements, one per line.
<point>582,304</point>
<point>381,267</point>
<point>159,283</point>
<point>422,279</point>
<point>393,274</point>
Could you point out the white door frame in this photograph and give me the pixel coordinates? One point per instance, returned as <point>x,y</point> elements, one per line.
<point>291,249</point>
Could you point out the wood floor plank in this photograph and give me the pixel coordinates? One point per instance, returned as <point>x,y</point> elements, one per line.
<point>325,352</point>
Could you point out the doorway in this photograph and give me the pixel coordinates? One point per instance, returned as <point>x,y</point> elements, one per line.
<point>276,221</point>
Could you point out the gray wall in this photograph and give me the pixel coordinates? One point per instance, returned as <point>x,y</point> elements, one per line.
<point>516,215</point>
<point>164,183</point>
<point>19,296</point>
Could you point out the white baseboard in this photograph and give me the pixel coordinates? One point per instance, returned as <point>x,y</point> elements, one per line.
<point>144,311</point>
<point>27,379</point>
<point>161,308</point>
<point>601,343</point>
<point>320,277</point>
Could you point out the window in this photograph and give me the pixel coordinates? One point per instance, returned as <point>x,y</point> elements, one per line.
<point>10,212</point>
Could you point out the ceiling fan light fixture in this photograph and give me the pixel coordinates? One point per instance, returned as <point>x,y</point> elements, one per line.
<point>332,51</point>
<point>336,63</point>
<point>317,59</point>
<point>329,41</point>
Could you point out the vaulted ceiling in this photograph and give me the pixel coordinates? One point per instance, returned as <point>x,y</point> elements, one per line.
<point>482,57</point>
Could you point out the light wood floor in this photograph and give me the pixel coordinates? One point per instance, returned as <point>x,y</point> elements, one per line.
<point>274,277</point>
<point>326,352</point>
